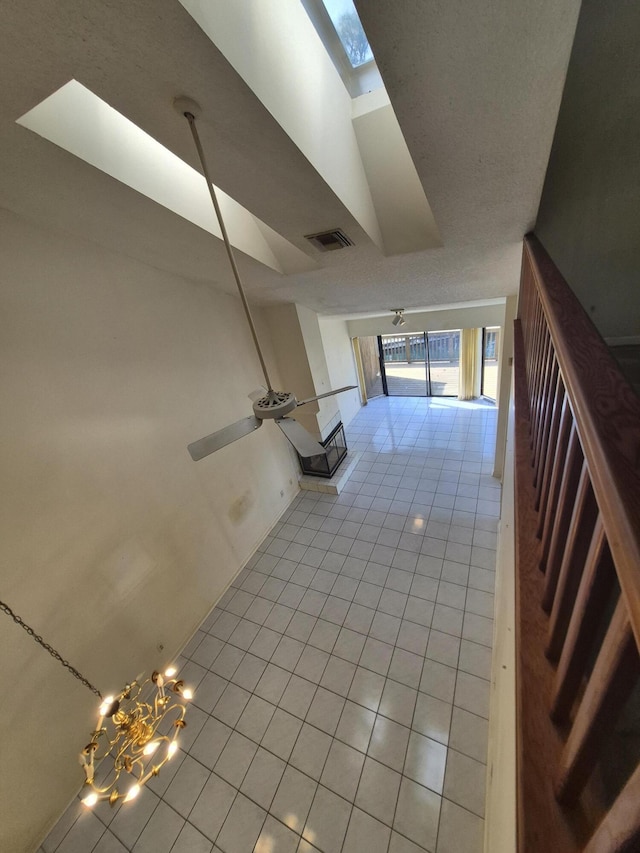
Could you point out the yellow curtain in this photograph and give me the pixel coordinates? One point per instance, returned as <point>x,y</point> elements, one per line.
<point>468,363</point>
<point>362,385</point>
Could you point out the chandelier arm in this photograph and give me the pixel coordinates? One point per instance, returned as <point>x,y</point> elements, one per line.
<point>54,654</point>
<point>196,138</point>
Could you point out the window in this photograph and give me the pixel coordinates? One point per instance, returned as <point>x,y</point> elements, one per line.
<point>340,30</point>
<point>490,353</point>
<point>349,29</point>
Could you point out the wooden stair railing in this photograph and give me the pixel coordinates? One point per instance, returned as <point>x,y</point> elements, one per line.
<point>577,472</point>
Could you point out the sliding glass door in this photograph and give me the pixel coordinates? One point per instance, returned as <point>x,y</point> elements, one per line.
<point>444,363</point>
<point>421,364</point>
<point>405,366</point>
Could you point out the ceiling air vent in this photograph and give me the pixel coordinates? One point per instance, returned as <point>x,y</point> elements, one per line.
<point>327,241</point>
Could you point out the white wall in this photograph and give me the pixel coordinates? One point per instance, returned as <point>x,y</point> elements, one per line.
<point>340,364</point>
<point>328,411</point>
<point>293,363</point>
<point>505,373</point>
<point>313,354</point>
<point>112,540</point>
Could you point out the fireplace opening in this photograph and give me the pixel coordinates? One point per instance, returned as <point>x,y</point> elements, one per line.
<point>325,466</point>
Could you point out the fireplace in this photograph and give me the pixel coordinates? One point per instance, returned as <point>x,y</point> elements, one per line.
<point>325,466</point>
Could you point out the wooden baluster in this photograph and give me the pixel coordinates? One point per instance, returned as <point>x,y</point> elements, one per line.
<point>528,330</point>
<point>562,517</point>
<point>524,306</point>
<point>612,680</point>
<point>542,826</point>
<point>537,414</point>
<point>619,830</point>
<point>583,518</point>
<point>532,327</point>
<point>530,295</point>
<point>591,602</point>
<point>525,302</point>
<point>574,414</point>
<point>542,445</point>
<point>532,355</point>
<point>526,316</point>
<point>550,450</point>
<point>546,521</point>
<point>537,374</point>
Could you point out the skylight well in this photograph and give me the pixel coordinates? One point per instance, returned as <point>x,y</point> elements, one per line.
<point>76,119</point>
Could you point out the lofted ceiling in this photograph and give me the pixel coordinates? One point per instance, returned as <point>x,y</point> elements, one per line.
<point>475,88</point>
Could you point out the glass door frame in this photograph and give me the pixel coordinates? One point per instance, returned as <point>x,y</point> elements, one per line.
<point>383,363</point>
<point>383,372</point>
<point>427,363</point>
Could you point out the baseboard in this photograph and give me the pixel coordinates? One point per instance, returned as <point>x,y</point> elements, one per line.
<point>500,810</point>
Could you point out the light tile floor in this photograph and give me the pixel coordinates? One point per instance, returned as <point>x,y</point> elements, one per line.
<point>342,682</point>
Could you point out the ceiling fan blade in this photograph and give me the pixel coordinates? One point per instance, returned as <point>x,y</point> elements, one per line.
<point>258,394</point>
<point>304,442</point>
<point>210,443</point>
<point>328,394</point>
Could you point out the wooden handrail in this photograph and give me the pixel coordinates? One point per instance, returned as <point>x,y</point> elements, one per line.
<point>577,522</point>
<point>607,416</point>
<point>540,820</point>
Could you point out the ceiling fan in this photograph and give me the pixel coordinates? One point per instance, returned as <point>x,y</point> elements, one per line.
<point>270,405</point>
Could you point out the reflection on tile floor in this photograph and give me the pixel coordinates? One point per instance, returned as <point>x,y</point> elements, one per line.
<point>342,682</point>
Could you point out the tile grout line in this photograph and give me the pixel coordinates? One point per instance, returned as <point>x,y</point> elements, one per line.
<point>414,472</point>
<point>444,778</point>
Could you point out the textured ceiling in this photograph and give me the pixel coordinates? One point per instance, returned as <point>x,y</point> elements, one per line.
<point>475,87</point>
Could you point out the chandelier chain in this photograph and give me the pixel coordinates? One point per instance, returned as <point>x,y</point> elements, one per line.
<point>48,648</point>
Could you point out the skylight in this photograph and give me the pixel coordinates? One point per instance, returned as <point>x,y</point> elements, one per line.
<point>338,26</point>
<point>349,29</point>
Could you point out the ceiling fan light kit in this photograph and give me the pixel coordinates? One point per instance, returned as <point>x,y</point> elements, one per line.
<point>273,405</point>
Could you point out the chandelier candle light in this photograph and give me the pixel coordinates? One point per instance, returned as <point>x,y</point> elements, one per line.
<point>130,731</point>
<point>136,731</point>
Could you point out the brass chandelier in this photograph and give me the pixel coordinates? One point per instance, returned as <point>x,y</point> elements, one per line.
<point>136,731</point>
<point>139,732</point>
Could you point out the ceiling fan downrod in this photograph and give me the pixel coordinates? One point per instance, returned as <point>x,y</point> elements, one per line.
<point>191,110</point>
<point>273,405</point>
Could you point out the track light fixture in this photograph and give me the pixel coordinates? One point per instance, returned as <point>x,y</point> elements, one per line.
<point>398,320</point>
